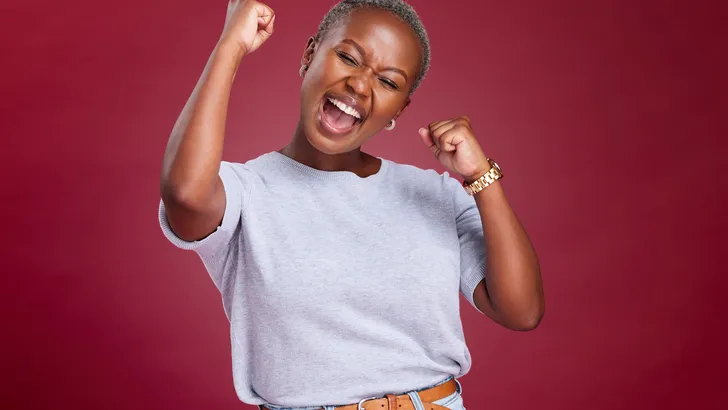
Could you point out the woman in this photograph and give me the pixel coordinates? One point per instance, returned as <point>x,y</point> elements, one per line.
<point>340,271</point>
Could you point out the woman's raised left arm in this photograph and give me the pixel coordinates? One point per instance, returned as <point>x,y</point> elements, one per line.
<point>512,292</point>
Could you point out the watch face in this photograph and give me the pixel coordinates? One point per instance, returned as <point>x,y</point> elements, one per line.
<point>495,165</point>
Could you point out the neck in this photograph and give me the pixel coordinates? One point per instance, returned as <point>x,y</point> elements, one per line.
<point>301,150</point>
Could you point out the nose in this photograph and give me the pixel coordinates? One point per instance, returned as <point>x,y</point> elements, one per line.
<point>360,84</point>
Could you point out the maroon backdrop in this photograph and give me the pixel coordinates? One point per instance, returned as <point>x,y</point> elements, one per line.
<point>604,116</point>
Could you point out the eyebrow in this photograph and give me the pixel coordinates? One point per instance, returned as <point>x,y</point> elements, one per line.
<point>362,52</point>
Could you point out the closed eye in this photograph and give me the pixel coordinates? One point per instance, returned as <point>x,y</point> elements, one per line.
<point>389,83</point>
<point>347,59</point>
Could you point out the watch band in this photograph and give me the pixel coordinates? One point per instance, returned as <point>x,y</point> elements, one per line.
<point>493,174</point>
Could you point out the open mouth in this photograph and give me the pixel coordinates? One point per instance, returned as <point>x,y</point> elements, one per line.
<point>338,117</point>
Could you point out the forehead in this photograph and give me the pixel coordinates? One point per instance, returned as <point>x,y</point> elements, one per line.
<point>385,38</point>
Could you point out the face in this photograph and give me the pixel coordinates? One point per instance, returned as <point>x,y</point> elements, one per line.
<point>359,78</point>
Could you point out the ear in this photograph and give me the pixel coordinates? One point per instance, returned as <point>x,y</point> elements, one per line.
<point>309,51</point>
<point>401,110</point>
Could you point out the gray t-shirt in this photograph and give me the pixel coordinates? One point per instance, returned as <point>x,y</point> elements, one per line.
<point>338,287</point>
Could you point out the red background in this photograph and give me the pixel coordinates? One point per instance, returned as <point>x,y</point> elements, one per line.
<point>605,117</point>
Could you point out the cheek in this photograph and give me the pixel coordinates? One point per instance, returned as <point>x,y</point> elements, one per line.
<point>386,106</point>
<point>325,72</point>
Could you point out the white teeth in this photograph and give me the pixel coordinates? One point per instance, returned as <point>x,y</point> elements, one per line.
<point>343,107</point>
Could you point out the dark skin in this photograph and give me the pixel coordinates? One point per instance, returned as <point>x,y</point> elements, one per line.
<point>372,58</point>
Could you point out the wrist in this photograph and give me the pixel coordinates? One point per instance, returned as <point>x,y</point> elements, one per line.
<point>230,49</point>
<point>479,172</point>
<point>476,182</point>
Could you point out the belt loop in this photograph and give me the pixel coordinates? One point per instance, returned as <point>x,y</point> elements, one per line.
<point>460,386</point>
<point>392,402</point>
<point>416,400</point>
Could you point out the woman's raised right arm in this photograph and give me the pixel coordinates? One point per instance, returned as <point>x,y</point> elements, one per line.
<point>191,188</point>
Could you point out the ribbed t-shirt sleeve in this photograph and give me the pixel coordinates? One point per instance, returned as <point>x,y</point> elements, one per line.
<point>235,197</point>
<point>471,237</point>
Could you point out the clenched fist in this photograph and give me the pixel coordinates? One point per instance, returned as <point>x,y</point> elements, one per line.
<point>454,144</point>
<point>248,24</point>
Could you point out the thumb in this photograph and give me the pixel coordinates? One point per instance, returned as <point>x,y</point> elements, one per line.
<point>266,17</point>
<point>267,29</point>
<point>264,12</point>
<point>427,140</point>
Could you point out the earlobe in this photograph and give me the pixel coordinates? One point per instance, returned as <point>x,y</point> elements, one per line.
<point>406,104</point>
<point>390,126</point>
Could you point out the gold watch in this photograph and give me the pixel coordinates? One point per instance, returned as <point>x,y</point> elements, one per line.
<point>493,174</point>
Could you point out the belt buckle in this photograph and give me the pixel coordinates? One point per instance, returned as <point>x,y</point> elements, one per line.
<point>360,406</point>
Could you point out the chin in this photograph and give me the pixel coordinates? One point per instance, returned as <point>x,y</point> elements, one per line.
<point>328,145</point>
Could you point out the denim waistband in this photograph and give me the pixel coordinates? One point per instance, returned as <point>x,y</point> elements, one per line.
<point>413,395</point>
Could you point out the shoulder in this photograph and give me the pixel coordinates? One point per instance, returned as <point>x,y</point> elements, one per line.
<point>243,179</point>
<point>429,177</point>
<point>251,165</point>
<point>251,169</point>
<point>433,184</point>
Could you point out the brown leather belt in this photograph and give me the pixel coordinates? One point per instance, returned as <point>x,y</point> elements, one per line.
<point>403,401</point>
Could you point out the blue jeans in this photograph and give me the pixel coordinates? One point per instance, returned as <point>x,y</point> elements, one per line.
<point>452,402</point>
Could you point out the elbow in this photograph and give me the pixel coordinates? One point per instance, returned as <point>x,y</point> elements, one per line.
<point>526,321</point>
<point>527,324</point>
<point>171,192</point>
<point>529,315</point>
<point>187,195</point>
<point>178,187</point>
<point>192,186</point>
